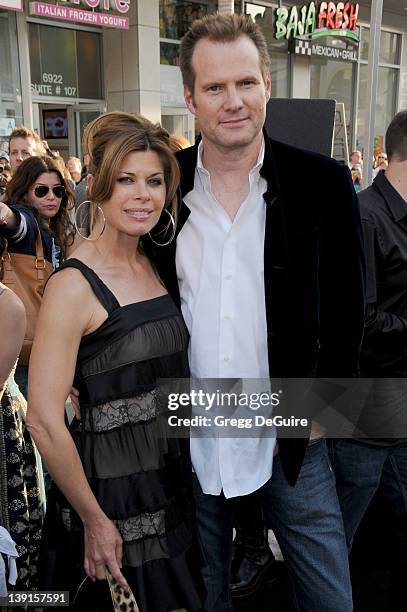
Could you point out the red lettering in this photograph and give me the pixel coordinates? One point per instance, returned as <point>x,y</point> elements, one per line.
<point>330,22</point>
<point>339,15</point>
<point>346,16</point>
<point>354,10</point>
<point>322,14</point>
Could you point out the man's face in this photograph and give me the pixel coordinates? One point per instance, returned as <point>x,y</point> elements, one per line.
<point>20,149</point>
<point>355,159</point>
<point>230,94</point>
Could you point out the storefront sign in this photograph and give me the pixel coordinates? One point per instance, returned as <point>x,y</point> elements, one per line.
<point>12,5</point>
<point>122,6</point>
<point>306,47</point>
<point>7,125</point>
<point>313,21</point>
<point>68,13</point>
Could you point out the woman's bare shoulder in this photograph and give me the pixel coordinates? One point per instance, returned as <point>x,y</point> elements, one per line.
<point>68,283</point>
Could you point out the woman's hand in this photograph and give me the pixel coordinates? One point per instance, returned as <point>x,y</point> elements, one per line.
<point>7,217</point>
<point>4,213</point>
<point>103,547</point>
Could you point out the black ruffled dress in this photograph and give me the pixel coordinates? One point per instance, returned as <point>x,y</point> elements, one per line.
<point>141,479</point>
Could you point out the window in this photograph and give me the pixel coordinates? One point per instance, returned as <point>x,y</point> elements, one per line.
<point>332,79</point>
<point>390,45</point>
<point>337,80</point>
<point>385,103</point>
<point>387,84</point>
<point>11,113</point>
<point>176,17</point>
<point>65,63</point>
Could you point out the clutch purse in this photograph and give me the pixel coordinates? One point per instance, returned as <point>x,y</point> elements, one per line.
<point>123,599</point>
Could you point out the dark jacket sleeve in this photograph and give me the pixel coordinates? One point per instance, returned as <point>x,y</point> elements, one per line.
<point>385,332</point>
<point>342,278</point>
<point>25,242</point>
<point>24,239</point>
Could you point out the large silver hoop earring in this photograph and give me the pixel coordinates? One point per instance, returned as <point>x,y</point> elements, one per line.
<point>89,221</point>
<point>171,224</point>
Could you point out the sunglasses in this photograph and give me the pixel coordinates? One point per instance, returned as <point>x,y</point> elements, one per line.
<point>41,191</point>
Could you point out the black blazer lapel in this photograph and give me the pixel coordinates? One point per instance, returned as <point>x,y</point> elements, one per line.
<point>275,253</point>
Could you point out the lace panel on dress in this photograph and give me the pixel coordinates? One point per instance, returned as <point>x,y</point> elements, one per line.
<point>144,525</point>
<point>116,413</point>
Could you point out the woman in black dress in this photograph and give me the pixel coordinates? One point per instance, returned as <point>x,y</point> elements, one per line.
<point>108,326</point>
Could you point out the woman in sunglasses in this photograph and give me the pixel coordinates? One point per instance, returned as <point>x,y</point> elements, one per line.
<point>37,197</point>
<point>37,193</point>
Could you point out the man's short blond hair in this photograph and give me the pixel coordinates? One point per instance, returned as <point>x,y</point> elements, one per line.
<point>221,28</point>
<point>28,133</point>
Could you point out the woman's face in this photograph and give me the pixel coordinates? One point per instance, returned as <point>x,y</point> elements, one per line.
<point>45,194</point>
<point>138,197</point>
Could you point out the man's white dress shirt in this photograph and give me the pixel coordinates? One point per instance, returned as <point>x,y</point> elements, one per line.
<point>220,269</point>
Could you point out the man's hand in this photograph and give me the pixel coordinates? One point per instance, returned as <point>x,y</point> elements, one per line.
<point>74,395</point>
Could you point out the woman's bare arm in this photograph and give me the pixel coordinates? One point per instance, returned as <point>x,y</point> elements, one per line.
<point>12,323</point>
<point>66,314</point>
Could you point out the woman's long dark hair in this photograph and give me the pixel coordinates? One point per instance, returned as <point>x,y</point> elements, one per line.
<point>3,244</point>
<point>25,176</point>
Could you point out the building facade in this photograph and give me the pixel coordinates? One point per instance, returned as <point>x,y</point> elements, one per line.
<point>65,62</point>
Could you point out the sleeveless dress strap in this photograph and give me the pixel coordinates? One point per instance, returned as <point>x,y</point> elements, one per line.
<point>103,293</point>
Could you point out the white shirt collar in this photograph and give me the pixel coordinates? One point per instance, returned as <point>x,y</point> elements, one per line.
<point>256,168</point>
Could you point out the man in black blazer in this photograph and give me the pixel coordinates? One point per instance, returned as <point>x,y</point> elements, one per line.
<point>377,459</point>
<point>267,267</point>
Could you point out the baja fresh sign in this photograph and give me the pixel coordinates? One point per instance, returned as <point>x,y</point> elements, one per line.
<point>314,20</point>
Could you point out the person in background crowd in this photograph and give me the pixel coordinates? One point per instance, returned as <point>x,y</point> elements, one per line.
<point>81,187</point>
<point>23,143</point>
<point>37,193</point>
<point>357,177</point>
<point>128,505</point>
<point>5,172</point>
<point>5,176</point>
<point>379,462</point>
<point>74,166</point>
<point>381,163</point>
<point>21,484</point>
<point>260,250</point>
<point>355,159</point>
<point>179,142</point>
<point>4,158</point>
